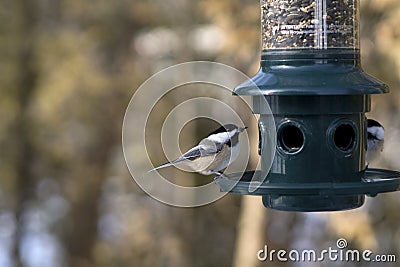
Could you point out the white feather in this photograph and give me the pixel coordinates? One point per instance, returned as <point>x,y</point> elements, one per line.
<point>377,132</point>
<point>375,144</point>
<point>222,137</point>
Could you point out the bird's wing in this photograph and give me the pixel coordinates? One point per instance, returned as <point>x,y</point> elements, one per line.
<point>191,154</point>
<point>198,151</point>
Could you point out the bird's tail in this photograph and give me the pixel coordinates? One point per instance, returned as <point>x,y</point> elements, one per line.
<point>162,166</point>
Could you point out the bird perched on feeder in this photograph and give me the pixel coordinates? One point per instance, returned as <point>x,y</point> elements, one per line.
<point>375,140</point>
<point>213,154</point>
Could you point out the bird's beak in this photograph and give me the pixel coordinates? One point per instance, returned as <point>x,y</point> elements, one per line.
<point>241,129</point>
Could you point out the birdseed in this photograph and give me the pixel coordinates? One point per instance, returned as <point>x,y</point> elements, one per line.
<point>317,24</point>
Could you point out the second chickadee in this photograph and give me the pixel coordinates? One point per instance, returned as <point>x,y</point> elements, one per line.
<point>214,153</point>
<point>375,140</point>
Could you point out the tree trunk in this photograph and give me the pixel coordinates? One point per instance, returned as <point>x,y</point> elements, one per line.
<point>25,86</point>
<point>250,232</point>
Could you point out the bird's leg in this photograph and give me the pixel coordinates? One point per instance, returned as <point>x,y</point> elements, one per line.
<point>221,174</point>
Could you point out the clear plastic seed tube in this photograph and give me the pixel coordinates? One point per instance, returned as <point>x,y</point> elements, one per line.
<point>310,24</point>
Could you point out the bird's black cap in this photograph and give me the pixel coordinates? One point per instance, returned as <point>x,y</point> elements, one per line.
<point>373,123</point>
<point>225,128</point>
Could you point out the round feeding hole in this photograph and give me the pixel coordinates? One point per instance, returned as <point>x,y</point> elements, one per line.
<point>291,138</point>
<point>344,137</point>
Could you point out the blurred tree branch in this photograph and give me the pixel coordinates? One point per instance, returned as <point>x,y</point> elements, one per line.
<point>250,232</point>
<point>25,79</point>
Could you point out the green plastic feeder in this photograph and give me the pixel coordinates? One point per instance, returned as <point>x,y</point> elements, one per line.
<point>312,79</point>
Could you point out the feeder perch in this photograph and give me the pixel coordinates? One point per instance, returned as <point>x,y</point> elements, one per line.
<point>312,79</point>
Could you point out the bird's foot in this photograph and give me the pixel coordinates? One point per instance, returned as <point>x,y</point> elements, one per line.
<point>221,174</point>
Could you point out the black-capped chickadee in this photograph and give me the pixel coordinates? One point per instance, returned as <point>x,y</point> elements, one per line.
<point>375,140</point>
<point>214,153</point>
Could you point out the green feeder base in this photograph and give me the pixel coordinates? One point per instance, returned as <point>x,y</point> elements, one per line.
<point>326,196</point>
<point>313,203</point>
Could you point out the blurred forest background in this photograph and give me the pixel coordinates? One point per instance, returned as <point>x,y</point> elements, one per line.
<point>68,69</point>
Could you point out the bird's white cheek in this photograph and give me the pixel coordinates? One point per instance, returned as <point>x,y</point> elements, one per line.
<point>374,150</point>
<point>378,132</point>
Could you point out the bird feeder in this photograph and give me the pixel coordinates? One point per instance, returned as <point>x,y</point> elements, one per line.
<point>312,79</point>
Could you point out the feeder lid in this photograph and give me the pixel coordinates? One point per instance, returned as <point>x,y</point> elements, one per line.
<point>311,72</point>
<point>311,80</point>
